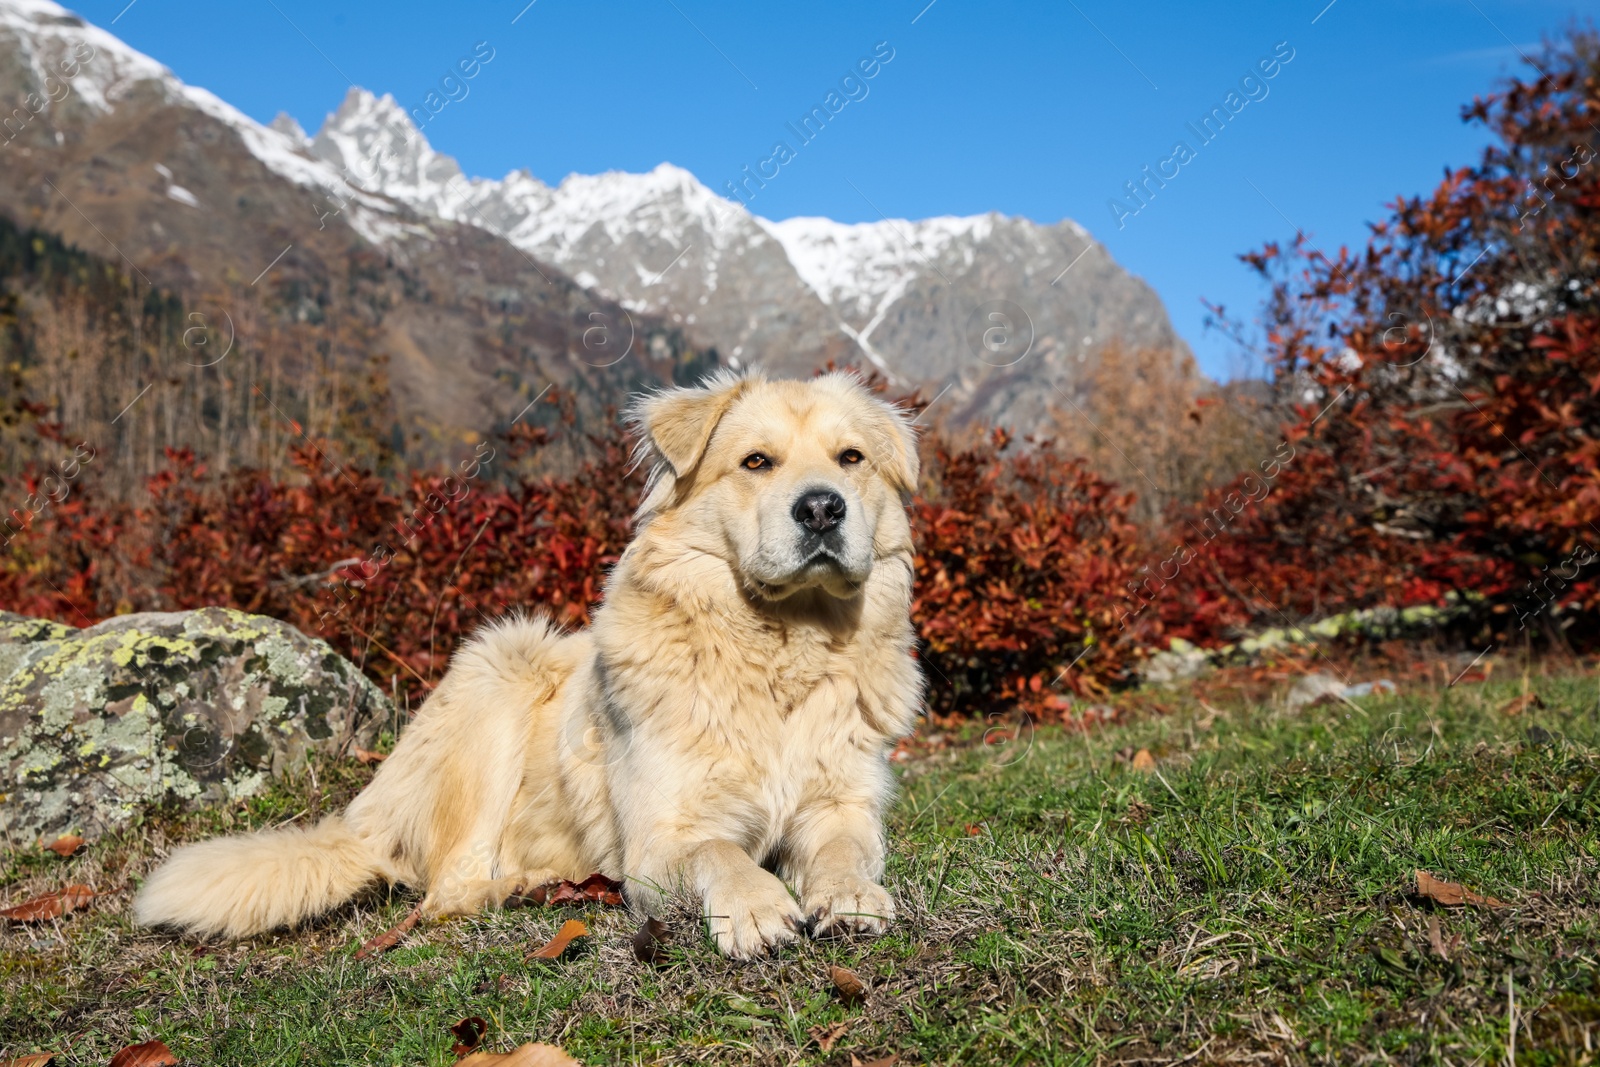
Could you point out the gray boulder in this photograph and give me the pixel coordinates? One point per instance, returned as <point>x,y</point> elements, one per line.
<point>198,707</point>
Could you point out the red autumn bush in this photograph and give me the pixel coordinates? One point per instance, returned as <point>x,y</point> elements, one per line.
<point>1020,562</point>
<point>392,579</point>
<point>1017,554</point>
<point>1445,384</point>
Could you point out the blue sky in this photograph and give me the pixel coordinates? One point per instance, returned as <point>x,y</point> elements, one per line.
<point>1038,109</point>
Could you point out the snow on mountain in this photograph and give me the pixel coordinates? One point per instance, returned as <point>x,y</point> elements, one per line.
<point>787,295</point>
<point>285,124</point>
<point>913,297</point>
<point>372,143</point>
<point>60,46</point>
<point>668,201</point>
<point>100,70</point>
<point>372,140</point>
<point>660,241</point>
<point>852,266</point>
<point>857,269</point>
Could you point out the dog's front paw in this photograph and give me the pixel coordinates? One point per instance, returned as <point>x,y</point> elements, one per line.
<point>848,904</point>
<point>751,916</point>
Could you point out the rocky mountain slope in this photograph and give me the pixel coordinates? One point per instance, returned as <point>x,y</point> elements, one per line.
<point>481,288</point>
<point>913,299</point>
<point>112,151</point>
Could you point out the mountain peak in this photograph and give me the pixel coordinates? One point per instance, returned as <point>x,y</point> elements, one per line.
<point>362,106</point>
<point>375,146</point>
<point>285,124</point>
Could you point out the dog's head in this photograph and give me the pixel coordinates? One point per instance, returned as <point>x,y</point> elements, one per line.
<point>796,484</point>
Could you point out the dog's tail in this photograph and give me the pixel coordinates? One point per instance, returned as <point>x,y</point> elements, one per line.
<point>238,886</point>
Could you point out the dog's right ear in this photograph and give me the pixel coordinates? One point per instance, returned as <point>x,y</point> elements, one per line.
<point>677,424</point>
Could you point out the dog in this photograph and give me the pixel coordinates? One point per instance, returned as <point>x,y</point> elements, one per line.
<point>722,730</point>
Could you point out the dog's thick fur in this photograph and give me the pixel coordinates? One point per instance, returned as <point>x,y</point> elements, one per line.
<point>722,729</point>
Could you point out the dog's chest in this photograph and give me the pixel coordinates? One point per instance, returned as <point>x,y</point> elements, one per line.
<point>761,714</point>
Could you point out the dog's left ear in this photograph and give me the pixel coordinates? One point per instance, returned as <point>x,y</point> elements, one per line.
<point>900,444</point>
<point>677,424</point>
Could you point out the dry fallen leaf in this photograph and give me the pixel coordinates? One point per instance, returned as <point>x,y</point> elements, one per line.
<point>469,1034</point>
<point>827,1036</point>
<point>1521,704</point>
<point>32,1059</point>
<point>1449,893</point>
<point>596,888</point>
<point>390,937</point>
<point>650,942</point>
<point>65,845</point>
<point>1143,761</point>
<point>524,1056</point>
<point>570,931</point>
<point>149,1054</point>
<point>368,756</point>
<point>851,990</point>
<point>49,906</point>
<point>888,1061</point>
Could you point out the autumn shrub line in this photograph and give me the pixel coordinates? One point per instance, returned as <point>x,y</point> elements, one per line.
<point>1034,583</point>
<point>1438,393</point>
<point>1021,554</point>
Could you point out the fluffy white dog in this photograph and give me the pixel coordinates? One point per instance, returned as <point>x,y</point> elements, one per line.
<point>722,730</point>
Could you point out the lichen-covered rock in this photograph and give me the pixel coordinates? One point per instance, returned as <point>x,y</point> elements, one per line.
<point>194,706</point>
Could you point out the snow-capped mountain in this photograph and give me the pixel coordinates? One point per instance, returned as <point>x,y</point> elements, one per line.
<point>856,267</point>
<point>993,313</point>
<point>659,242</point>
<point>68,65</point>
<point>896,294</point>
<point>243,223</point>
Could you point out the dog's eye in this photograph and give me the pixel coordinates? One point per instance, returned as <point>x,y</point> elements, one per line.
<point>755,461</point>
<point>850,457</point>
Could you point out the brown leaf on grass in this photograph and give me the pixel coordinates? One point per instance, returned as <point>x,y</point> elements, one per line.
<point>149,1054</point>
<point>849,985</point>
<point>523,1056</point>
<point>649,943</point>
<point>368,756</point>
<point>469,1034</point>
<point>1143,761</point>
<point>1518,705</point>
<point>1450,894</point>
<point>32,1059</point>
<point>49,906</point>
<point>827,1036</point>
<point>390,937</point>
<point>64,846</point>
<point>887,1061</point>
<point>596,889</point>
<point>570,931</point>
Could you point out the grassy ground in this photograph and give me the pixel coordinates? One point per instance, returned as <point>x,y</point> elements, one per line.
<point>1250,899</point>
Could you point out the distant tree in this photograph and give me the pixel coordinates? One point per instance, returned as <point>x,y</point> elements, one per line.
<point>1165,433</point>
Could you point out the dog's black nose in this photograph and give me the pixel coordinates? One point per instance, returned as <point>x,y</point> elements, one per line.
<point>819,511</point>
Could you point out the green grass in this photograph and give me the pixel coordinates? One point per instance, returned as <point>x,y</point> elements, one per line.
<point>1251,900</point>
